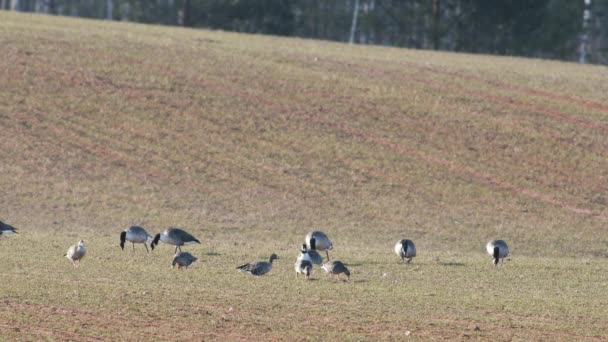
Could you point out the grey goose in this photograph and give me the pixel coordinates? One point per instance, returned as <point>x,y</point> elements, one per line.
<point>304,267</point>
<point>76,252</point>
<point>259,268</point>
<point>135,234</point>
<point>335,268</point>
<point>6,229</point>
<point>405,249</point>
<point>310,255</point>
<point>498,249</point>
<point>183,259</point>
<point>176,237</point>
<point>319,241</point>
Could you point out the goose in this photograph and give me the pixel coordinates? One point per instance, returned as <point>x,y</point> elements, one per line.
<point>135,234</point>
<point>335,268</point>
<point>174,236</point>
<point>303,266</point>
<point>76,252</point>
<point>259,268</point>
<point>319,241</point>
<point>310,255</point>
<point>405,249</point>
<point>183,259</point>
<point>498,249</point>
<point>6,229</point>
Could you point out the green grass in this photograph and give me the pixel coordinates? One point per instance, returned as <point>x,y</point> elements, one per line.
<point>249,142</point>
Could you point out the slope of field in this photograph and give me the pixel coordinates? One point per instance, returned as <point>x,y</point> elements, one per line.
<point>249,142</point>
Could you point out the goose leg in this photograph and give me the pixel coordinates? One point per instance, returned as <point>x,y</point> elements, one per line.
<point>408,260</point>
<point>176,247</point>
<point>133,244</point>
<point>147,250</point>
<point>327,253</point>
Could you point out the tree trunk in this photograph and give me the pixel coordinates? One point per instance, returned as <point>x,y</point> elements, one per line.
<point>436,22</point>
<point>584,43</point>
<point>353,26</point>
<point>110,5</point>
<point>186,14</point>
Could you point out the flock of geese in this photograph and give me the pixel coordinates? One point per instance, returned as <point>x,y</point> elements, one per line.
<point>314,243</point>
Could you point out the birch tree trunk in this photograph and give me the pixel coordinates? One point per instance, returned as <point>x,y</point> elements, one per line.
<point>353,26</point>
<point>110,5</point>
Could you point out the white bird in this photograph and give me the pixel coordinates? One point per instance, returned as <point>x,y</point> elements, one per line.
<point>405,249</point>
<point>498,249</point>
<point>76,252</point>
<point>135,234</point>
<point>319,241</point>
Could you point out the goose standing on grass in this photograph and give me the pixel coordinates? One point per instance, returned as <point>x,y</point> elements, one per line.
<point>259,268</point>
<point>76,252</point>
<point>183,259</point>
<point>405,249</point>
<point>304,267</point>
<point>335,268</point>
<point>135,234</point>
<point>310,255</point>
<point>176,237</point>
<point>498,249</point>
<point>319,241</point>
<point>6,229</point>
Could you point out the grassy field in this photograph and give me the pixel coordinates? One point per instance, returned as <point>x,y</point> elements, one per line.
<point>249,142</point>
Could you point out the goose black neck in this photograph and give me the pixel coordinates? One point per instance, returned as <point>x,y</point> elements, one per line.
<point>155,241</point>
<point>123,237</point>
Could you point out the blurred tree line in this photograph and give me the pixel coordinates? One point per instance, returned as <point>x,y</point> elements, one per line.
<point>556,29</point>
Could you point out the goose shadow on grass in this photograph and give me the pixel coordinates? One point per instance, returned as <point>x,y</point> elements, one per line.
<point>213,254</point>
<point>451,263</point>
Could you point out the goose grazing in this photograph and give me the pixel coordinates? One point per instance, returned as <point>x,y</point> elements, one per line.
<point>335,268</point>
<point>259,268</point>
<point>303,267</point>
<point>405,249</point>
<point>310,255</point>
<point>6,229</point>
<point>183,259</point>
<point>174,236</point>
<point>498,249</point>
<point>318,241</point>
<point>76,252</point>
<point>135,234</point>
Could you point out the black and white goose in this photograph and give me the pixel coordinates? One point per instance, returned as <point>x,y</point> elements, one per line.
<point>499,250</point>
<point>135,234</point>
<point>405,249</point>
<point>310,255</point>
<point>319,241</point>
<point>183,259</point>
<point>176,237</point>
<point>304,267</point>
<point>259,268</point>
<point>6,229</point>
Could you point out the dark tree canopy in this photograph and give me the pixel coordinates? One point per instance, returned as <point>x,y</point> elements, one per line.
<point>532,28</point>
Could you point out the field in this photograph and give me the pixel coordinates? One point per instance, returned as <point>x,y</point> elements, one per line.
<point>249,142</point>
